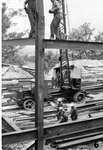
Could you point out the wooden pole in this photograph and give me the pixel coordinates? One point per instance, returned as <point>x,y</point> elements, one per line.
<point>39,75</point>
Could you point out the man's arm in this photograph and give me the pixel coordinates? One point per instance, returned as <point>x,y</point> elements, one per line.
<point>55,8</point>
<point>25,3</point>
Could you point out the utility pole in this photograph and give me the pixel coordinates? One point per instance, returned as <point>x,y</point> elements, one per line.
<point>39,75</point>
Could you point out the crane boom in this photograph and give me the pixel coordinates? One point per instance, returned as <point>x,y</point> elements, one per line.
<point>64,59</point>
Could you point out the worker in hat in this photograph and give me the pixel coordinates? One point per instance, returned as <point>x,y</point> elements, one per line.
<point>73,112</point>
<point>59,103</point>
<point>57,13</point>
<point>62,116</point>
<point>59,107</point>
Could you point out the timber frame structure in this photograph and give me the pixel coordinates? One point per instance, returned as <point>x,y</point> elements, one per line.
<point>40,133</point>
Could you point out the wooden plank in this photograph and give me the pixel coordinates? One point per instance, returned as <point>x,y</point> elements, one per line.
<point>80,141</point>
<point>54,44</point>
<point>69,44</point>
<point>18,79</point>
<point>54,131</point>
<point>17,137</point>
<point>9,95</point>
<point>21,42</point>
<point>10,108</point>
<point>5,103</point>
<point>9,125</point>
<point>13,88</point>
<point>77,137</point>
<point>74,126</point>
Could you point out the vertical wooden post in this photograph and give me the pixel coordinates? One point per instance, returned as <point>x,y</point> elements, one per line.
<point>39,75</point>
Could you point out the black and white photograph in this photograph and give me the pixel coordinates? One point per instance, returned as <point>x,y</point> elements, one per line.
<point>51,75</point>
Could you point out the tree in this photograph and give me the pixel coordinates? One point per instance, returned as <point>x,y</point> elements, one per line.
<point>6,23</point>
<point>51,60</point>
<point>85,33</point>
<point>99,37</point>
<point>9,53</point>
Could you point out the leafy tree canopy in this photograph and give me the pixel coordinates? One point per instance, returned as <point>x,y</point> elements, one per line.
<point>51,60</point>
<point>85,33</point>
<point>99,37</point>
<point>9,54</point>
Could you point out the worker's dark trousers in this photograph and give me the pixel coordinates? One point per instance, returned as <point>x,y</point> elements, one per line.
<point>54,27</point>
<point>31,17</point>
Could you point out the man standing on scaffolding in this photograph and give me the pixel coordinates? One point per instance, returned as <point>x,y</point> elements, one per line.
<point>54,27</point>
<point>30,8</point>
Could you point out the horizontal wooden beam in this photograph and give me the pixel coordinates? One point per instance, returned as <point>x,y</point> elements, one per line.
<point>67,44</point>
<point>53,131</point>
<point>17,137</point>
<point>54,44</point>
<point>9,125</point>
<point>79,141</point>
<point>18,79</point>
<point>20,42</point>
<point>64,128</point>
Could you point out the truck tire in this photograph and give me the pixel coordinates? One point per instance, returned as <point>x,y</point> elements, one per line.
<point>29,104</point>
<point>79,97</point>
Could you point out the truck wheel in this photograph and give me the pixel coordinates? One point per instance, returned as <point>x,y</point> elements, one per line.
<point>79,97</point>
<point>29,104</point>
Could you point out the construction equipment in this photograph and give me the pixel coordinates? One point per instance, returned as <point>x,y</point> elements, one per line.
<point>72,90</point>
<point>25,98</point>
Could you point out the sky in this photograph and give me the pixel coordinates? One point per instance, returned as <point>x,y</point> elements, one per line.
<point>80,11</point>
